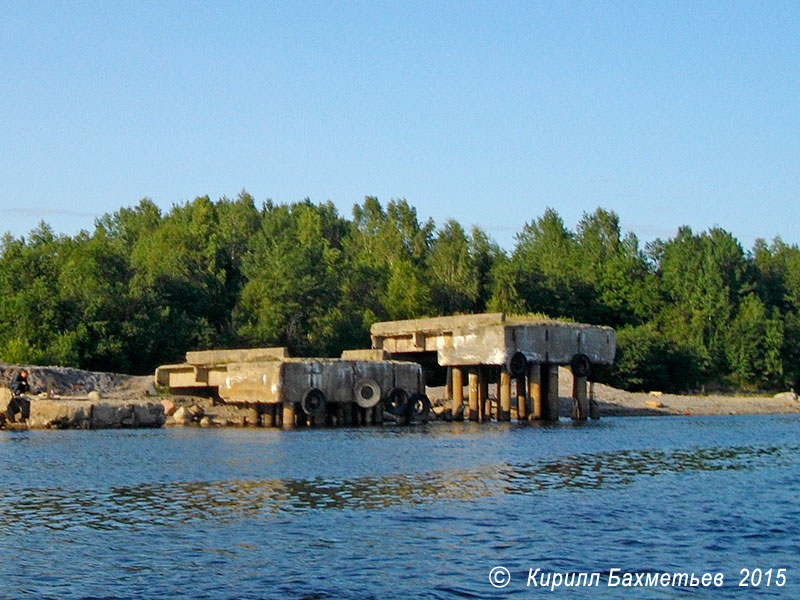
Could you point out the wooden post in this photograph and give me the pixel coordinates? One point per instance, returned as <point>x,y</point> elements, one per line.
<point>458,393</point>
<point>580,401</point>
<point>288,415</point>
<point>473,393</point>
<point>484,405</point>
<point>504,409</point>
<point>535,389</point>
<point>522,399</point>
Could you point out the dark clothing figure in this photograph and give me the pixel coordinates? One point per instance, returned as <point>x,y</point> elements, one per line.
<point>19,385</point>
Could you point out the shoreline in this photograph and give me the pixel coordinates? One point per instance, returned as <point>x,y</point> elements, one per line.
<point>120,401</point>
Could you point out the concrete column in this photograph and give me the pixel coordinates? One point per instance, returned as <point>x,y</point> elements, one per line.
<point>253,416</point>
<point>522,399</point>
<point>268,416</point>
<point>484,407</point>
<point>288,415</point>
<point>377,414</point>
<point>504,394</point>
<point>535,389</point>
<point>473,393</point>
<point>448,386</point>
<point>552,393</point>
<point>580,400</point>
<point>458,393</point>
<point>594,407</point>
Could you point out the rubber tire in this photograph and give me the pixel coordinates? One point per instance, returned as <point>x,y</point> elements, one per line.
<point>313,403</point>
<point>420,407</point>
<point>518,364</point>
<point>396,402</point>
<point>581,365</point>
<point>372,386</point>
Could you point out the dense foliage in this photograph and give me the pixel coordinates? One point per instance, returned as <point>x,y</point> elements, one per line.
<point>144,287</point>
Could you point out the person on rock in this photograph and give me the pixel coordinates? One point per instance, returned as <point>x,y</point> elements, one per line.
<point>19,404</point>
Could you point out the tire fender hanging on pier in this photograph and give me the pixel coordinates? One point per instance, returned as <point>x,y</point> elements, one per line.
<point>367,393</point>
<point>580,365</point>
<point>518,364</point>
<point>420,407</point>
<point>396,401</point>
<point>313,403</point>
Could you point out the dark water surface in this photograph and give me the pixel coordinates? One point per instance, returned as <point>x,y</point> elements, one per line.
<point>424,511</point>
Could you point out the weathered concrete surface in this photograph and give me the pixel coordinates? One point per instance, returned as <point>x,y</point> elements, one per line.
<point>49,413</point>
<point>289,380</point>
<point>492,339</point>
<point>364,354</point>
<point>239,355</point>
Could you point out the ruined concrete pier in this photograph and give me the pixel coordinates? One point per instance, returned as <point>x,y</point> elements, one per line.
<point>525,349</point>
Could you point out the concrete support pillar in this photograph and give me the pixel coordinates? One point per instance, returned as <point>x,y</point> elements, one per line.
<point>522,399</point>
<point>594,408</point>
<point>504,394</point>
<point>268,416</point>
<point>535,389</point>
<point>458,393</point>
<point>473,393</point>
<point>549,392</point>
<point>377,414</point>
<point>552,393</point>
<point>253,416</point>
<point>484,406</point>
<point>448,386</point>
<point>580,400</point>
<point>348,414</point>
<point>288,416</point>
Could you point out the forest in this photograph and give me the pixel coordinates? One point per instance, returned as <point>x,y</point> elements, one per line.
<point>693,312</point>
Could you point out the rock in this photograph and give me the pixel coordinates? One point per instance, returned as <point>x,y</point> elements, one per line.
<point>94,396</point>
<point>657,394</point>
<point>151,390</point>
<point>206,422</point>
<point>149,415</point>
<point>111,416</point>
<point>654,404</point>
<point>196,411</point>
<point>60,414</point>
<point>169,407</point>
<point>5,398</point>
<point>182,416</point>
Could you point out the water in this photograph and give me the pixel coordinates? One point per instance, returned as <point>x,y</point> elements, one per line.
<point>425,511</point>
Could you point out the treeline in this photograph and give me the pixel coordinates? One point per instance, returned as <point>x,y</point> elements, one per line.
<point>144,287</point>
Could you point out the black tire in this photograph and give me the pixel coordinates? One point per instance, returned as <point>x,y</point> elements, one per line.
<point>518,364</point>
<point>313,403</point>
<point>396,402</point>
<point>420,407</point>
<point>581,365</point>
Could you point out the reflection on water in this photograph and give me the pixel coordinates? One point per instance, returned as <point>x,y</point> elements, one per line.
<point>121,507</point>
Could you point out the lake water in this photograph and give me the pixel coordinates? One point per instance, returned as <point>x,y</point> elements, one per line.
<point>418,512</point>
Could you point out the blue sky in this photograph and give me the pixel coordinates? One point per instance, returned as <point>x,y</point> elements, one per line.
<point>669,113</point>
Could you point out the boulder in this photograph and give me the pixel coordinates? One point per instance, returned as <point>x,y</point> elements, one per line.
<point>169,407</point>
<point>111,416</point>
<point>196,411</point>
<point>182,416</point>
<point>94,396</point>
<point>60,414</point>
<point>206,422</point>
<point>5,398</point>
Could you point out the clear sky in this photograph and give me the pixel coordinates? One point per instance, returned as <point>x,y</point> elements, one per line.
<point>669,113</point>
